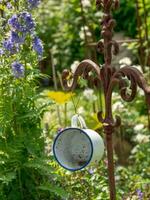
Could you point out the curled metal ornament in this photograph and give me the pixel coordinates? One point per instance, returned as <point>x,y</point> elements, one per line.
<point>108,76</point>
<point>136,79</point>
<point>100,46</point>
<point>82,69</point>
<point>112,45</point>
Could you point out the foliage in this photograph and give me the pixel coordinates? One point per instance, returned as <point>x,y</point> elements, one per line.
<point>63,32</point>
<point>24,166</point>
<point>126,14</point>
<point>132,179</point>
<point>30,119</point>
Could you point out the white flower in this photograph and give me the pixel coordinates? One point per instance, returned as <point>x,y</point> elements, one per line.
<point>115,94</point>
<point>46,118</point>
<point>134,197</point>
<point>137,67</point>
<point>125,61</point>
<point>99,14</point>
<point>82,34</point>
<point>140,138</point>
<point>86,3</point>
<point>134,150</point>
<point>117,106</point>
<point>123,65</point>
<point>89,95</point>
<point>138,127</point>
<point>80,110</point>
<point>74,66</point>
<point>141,92</point>
<point>88,92</point>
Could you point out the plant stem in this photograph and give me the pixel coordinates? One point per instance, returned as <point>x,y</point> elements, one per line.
<point>20,184</point>
<point>140,36</point>
<point>65,115</point>
<point>55,86</point>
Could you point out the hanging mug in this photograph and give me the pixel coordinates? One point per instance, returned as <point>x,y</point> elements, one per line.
<point>76,148</point>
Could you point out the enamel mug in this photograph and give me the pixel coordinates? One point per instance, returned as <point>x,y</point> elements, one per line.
<point>75,148</point>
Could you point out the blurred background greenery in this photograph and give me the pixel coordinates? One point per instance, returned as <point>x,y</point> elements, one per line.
<point>34,109</point>
<point>69,29</point>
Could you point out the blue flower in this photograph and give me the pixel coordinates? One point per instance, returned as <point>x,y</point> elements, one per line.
<point>14,37</point>
<point>33,3</point>
<point>10,46</point>
<point>1,52</point>
<point>38,46</point>
<point>9,6</point>
<point>28,23</point>
<point>22,22</point>
<point>139,194</point>
<point>13,43</point>
<point>13,22</point>
<point>91,171</point>
<point>18,70</point>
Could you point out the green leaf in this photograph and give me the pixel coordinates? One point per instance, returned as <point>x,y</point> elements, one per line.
<point>8,177</point>
<point>55,189</point>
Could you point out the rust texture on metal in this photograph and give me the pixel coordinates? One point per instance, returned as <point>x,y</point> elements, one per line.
<point>109,78</point>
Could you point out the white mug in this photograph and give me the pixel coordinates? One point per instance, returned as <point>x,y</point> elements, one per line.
<point>76,148</point>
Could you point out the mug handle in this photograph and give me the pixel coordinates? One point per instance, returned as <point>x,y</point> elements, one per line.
<point>77,118</point>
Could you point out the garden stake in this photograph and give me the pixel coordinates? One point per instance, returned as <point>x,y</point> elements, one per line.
<point>109,78</point>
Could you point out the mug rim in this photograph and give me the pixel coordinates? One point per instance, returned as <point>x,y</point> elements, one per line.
<point>91,155</point>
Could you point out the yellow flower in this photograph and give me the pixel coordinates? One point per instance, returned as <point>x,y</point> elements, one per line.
<point>98,125</point>
<point>60,97</point>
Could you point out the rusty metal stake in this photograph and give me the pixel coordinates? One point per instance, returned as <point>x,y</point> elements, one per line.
<point>109,77</point>
<point>109,144</point>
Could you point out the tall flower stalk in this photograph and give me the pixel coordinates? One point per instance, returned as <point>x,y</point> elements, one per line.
<point>23,165</point>
<point>21,37</point>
